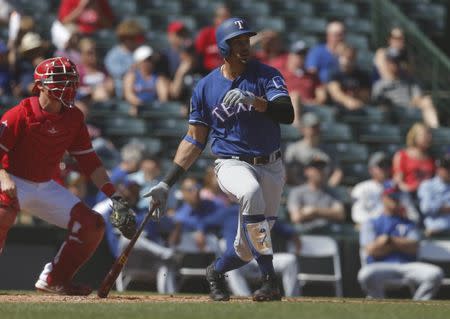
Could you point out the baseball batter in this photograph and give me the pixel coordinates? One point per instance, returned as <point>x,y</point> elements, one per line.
<point>33,138</point>
<point>239,106</point>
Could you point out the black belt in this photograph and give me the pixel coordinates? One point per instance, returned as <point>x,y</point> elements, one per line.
<point>258,160</point>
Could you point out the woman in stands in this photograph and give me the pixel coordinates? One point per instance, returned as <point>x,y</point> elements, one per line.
<point>414,164</point>
<point>142,85</point>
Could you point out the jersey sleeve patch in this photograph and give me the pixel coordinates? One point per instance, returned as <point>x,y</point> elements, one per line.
<point>278,82</point>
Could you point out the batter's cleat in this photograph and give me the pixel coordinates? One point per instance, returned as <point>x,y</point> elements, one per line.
<point>217,284</point>
<point>45,284</point>
<point>269,290</point>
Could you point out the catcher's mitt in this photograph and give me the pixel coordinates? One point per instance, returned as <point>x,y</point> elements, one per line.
<point>123,217</point>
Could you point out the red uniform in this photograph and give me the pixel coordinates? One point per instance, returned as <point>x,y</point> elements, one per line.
<point>35,141</point>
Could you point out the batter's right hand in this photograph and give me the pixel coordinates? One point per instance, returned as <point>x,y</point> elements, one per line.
<point>7,184</point>
<point>158,195</point>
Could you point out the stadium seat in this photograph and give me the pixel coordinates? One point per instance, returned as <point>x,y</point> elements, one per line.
<point>373,115</point>
<point>348,152</point>
<point>289,133</point>
<point>358,25</point>
<point>313,25</point>
<point>170,127</point>
<point>337,9</point>
<point>125,126</point>
<point>325,113</point>
<point>441,136</point>
<point>380,133</point>
<point>354,173</point>
<point>163,110</point>
<point>276,24</point>
<point>322,247</point>
<point>360,42</point>
<point>123,9</point>
<point>335,132</point>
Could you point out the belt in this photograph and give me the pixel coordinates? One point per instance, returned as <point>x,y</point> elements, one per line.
<point>258,160</point>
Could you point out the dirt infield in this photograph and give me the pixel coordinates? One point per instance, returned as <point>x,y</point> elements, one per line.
<point>114,298</point>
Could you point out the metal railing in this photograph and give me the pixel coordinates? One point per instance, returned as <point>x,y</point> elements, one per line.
<point>431,66</point>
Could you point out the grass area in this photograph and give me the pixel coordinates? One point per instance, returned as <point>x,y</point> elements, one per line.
<point>303,308</point>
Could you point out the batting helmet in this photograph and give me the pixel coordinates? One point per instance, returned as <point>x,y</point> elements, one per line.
<point>60,76</point>
<point>229,29</point>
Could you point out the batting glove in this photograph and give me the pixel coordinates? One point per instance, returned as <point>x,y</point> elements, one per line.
<point>236,96</point>
<point>158,195</point>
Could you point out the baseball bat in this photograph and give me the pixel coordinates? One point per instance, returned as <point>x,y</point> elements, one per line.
<point>117,267</point>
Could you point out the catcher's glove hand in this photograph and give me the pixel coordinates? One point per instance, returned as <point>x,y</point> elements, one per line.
<point>123,217</point>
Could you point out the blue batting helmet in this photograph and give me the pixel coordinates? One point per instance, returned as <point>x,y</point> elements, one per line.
<point>229,29</point>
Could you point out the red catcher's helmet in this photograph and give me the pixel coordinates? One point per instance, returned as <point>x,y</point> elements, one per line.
<point>60,77</point>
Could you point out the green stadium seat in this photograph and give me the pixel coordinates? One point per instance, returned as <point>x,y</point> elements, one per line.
<point>313,25</point>
<point>336,132</point>
<point>124,9</point>
<point>354,173</point>
<point>289,133</point>
<point>324,112</point>
<point>348,152</point>
<point>170,127</point>
<point>125,126</point>
<point>358,41</point>
<point>373,115</point>
<point>276,24</point>
<point>358,25</point>
<point>337,9</point>
<point>380,133</point>
<point>163,110</point>
<point>441,136</point>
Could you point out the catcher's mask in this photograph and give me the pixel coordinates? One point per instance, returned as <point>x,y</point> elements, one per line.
<point>60,77</point>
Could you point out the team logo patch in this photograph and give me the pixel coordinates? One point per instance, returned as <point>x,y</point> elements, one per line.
<point>278,81</point>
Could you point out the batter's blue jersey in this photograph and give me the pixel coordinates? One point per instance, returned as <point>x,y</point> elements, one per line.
<point>238,130</point>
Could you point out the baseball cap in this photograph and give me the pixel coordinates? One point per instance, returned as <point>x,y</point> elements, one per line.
<point>142,53</point>
<point>392,192</point>
<point>176,26</point>
<point>317,161</point>
<point>310,119</point>
<point>298,47</point>
<point>30,41</point>
<point>444,161</point>
<point>379,159</point>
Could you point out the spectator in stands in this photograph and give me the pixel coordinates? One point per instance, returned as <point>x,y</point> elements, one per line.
<point>119,59</point>
<point>177,36</point>
<point>192,233</point>
<point>434,196</point>
<point>69,46</point>
<point>5,10</point>
<point>349,86</point>
<point>131,157</point>
<point>299,153</point>
<point>312,204</point>
<point>186,76</point>
<point>322,59</point>
<point>285,264</point>
<point>304,87</point>
<point>367,195</point>
<point>19,25</point>
<point>400,90</point>
<point>389,246</point>
<point>211,189</point>
<point>205,43</point>
<point>142,85</point>
<point>88,15</point>
<point>6,75</point>
<point>396,41</point>
<point>147,176</point>
<point>271,48</point>
<point>95,84</point>
<point>151,240</point>
<point>32,51</point>
<point>414,164</point>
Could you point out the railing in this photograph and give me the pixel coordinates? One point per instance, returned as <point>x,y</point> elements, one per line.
<point>431,66</point>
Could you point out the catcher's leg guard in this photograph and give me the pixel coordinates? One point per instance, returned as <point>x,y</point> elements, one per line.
<point>86,229</point>
<point>8,213</point>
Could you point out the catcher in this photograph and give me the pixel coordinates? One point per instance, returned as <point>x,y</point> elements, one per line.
<point>33,138</point>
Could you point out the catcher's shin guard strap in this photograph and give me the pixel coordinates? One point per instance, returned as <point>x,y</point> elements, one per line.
<point>7,218</point>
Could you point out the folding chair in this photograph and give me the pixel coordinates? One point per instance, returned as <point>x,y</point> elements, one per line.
<point>322,247</point>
